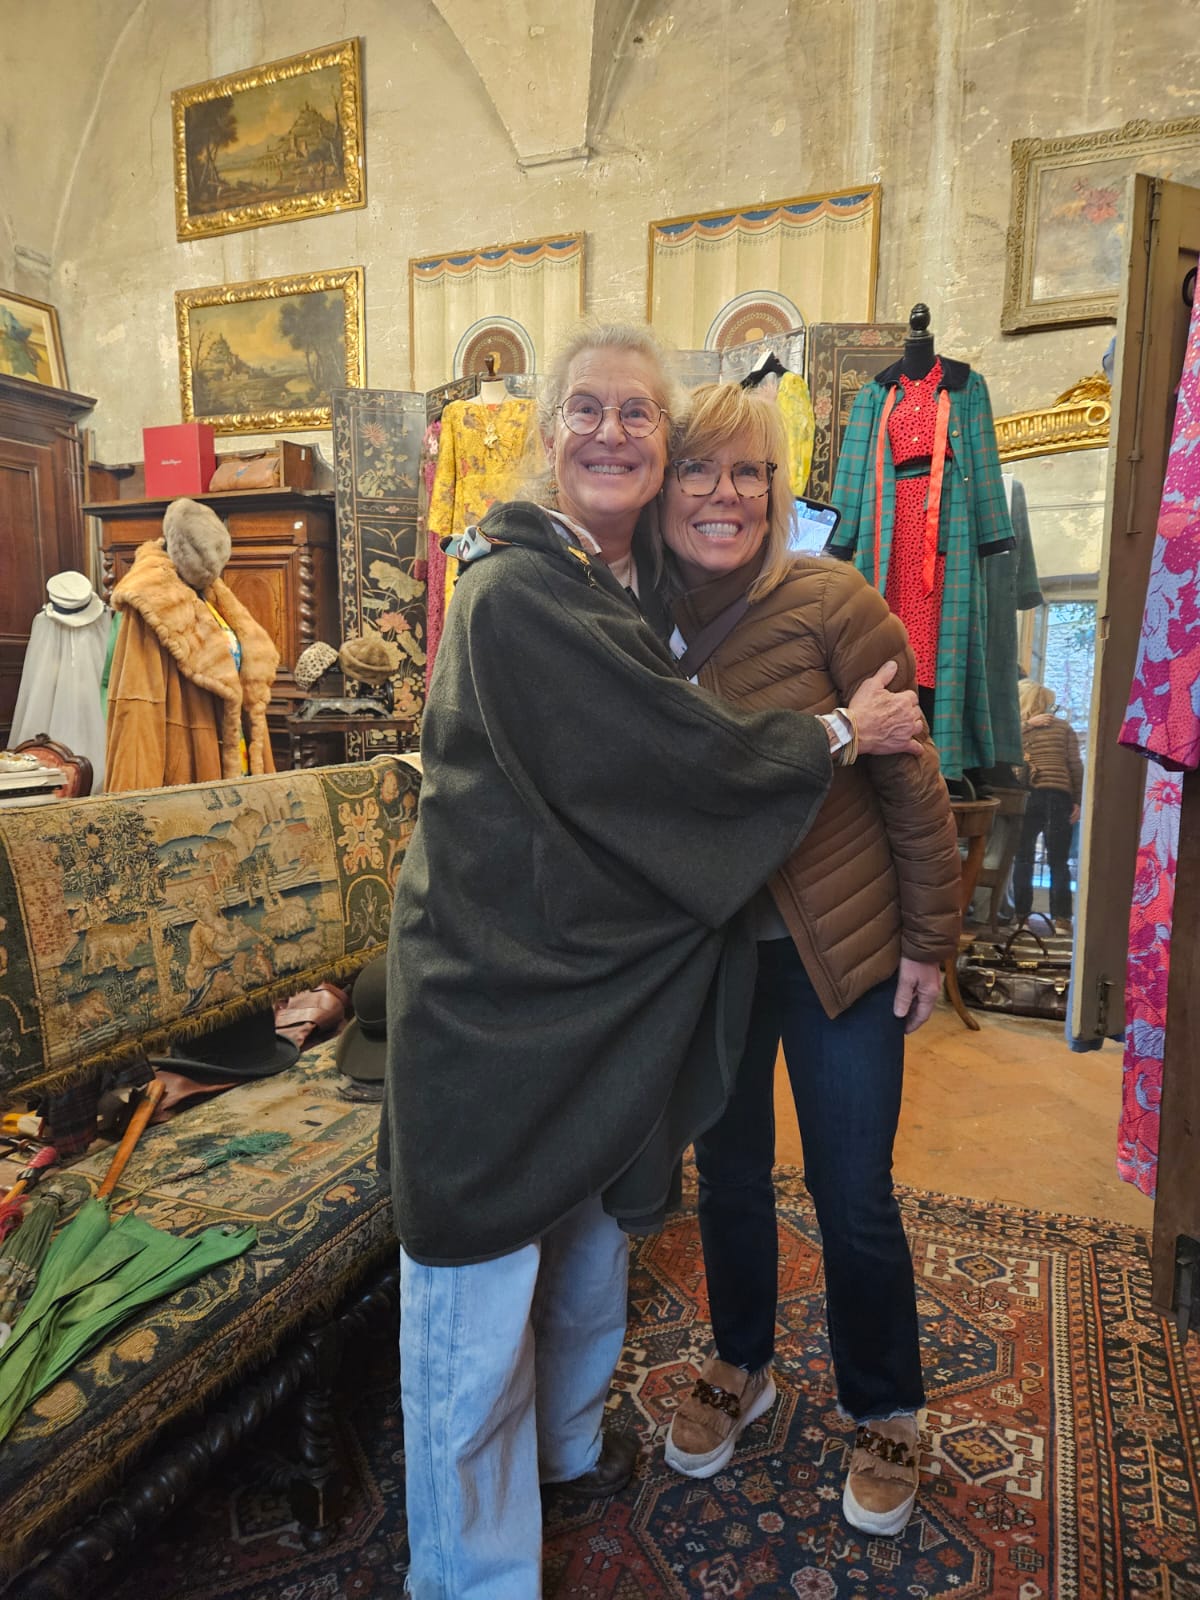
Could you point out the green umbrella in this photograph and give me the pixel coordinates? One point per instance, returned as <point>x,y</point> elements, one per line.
<point>93,1277</point>
<point>25,1248</point>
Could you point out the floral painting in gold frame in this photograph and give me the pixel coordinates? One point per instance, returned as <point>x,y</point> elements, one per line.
<point>270,144</point>
<point>1066,233</point>
<point>30,343</point>
<point>254,357</point>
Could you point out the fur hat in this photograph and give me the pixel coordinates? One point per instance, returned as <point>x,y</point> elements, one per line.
<point>198,542</point>
<point>312,664</point>
<point>369,658</point>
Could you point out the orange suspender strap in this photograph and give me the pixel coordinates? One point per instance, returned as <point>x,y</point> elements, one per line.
<point>933,502</point>
<point>880,447</point>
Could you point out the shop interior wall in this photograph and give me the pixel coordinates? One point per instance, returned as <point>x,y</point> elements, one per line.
<point>684,108</point>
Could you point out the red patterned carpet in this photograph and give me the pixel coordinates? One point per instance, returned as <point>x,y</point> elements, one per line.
<point>1062,1445</point>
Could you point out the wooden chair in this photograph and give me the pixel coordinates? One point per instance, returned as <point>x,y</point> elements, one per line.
<point>78,768</point>
<point>973,819</point>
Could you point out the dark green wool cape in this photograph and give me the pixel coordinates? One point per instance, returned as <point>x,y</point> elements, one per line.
<point>569,976</point>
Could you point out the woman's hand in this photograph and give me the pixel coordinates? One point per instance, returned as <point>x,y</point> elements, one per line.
<point>917,988</point>
<point>888,723</point>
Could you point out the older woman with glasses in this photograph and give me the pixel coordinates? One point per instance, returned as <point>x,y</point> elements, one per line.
<point>852,931</point>
<point>568,978</point>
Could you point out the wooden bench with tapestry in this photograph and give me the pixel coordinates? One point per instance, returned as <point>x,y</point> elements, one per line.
<point>129,924</point>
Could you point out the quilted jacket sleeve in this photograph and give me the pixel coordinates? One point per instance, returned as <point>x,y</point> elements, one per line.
<point>861,633</point>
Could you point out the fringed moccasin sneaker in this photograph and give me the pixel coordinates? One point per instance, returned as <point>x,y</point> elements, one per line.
<point>881,1485</point>
<point>724,1402</point>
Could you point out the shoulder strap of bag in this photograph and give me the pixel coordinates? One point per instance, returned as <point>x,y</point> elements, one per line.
<point>711,635</point>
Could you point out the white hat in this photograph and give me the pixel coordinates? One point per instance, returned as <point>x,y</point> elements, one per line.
<point>73,601</point>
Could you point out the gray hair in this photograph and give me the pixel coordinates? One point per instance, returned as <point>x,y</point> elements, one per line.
<point>634,337</point>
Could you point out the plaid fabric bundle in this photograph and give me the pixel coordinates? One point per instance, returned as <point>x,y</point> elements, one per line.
<point>974,523</point>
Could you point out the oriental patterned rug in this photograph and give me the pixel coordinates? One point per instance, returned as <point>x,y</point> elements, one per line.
<point>1062,1445</point>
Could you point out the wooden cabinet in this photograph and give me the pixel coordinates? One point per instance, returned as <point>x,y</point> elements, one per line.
<point>41,526</point>
<point>282,568</point>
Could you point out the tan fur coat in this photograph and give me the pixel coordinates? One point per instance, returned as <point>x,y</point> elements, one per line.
<point>177,705</point>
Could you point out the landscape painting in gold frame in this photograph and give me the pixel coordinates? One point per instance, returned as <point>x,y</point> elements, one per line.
<point>271,144</point>
<point>30,343</point>
<point>254,357</point>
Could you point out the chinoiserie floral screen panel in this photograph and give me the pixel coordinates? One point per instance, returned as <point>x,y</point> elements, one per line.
<point>377,437</point>
<point>842,357</point>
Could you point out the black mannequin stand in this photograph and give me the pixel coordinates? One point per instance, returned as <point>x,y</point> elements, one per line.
<point>919,353</point>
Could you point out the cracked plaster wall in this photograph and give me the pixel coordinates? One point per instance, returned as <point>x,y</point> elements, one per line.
<point>713,103</point>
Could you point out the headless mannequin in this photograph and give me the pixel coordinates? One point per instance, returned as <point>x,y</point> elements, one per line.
<point>919,353</point>
<point>493,390</point>
<point>193,670</point>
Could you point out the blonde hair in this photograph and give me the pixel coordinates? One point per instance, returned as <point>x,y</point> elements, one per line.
<point>1034,698</point>
<point>719,413</point>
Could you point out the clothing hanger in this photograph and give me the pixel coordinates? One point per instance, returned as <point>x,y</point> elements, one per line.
<point>768,365</point>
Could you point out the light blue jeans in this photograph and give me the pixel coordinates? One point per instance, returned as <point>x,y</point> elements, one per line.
<point>504,1371</point>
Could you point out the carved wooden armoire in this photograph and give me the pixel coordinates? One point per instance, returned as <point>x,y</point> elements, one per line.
<point>41,523</point>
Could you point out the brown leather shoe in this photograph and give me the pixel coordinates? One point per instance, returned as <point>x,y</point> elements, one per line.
<point>881,1485</point>
<point>705,1429</point>
<point>614,1469</point>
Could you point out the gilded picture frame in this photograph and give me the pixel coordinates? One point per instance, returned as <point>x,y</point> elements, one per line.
<point>254,357</point>
<point>273,143</point>
<point>1066,234</point>
<point>30,341</point>
<point>1078,420</point>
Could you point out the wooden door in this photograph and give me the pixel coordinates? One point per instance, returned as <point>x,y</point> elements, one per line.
<point>1163,240</point>
<point>1164,243</point>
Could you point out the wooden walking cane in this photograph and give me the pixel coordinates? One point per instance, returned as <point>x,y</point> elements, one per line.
<point>137,1122</point>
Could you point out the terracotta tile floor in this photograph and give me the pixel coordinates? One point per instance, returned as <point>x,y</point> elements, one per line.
<point>1008,1113</point>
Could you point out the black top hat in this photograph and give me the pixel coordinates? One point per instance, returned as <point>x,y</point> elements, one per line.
<point>247,1048</point>
<point>362,1044</point>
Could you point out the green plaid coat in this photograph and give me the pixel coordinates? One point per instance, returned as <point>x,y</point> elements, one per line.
<point>974,523</point>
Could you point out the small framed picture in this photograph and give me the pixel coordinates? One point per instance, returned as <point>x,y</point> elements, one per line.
<point>30,342</point>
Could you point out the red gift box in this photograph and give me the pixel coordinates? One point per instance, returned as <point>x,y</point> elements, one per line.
<point>180,459</point>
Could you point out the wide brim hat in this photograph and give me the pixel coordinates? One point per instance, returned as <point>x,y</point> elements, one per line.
<point>73,601</point>
<point>361,1051</point>
<point>248,1048</point>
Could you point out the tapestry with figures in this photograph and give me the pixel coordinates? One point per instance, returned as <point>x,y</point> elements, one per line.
<point>121,915</point>
<point>377,436</point>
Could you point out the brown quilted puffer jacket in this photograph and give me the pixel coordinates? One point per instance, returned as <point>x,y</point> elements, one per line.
<point>878,874</point>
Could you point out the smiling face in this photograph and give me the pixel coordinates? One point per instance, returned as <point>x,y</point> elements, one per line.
<point>714,533</point>
<point>605,478</point>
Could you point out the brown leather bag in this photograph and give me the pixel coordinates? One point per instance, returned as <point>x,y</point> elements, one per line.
<point>260,471</point>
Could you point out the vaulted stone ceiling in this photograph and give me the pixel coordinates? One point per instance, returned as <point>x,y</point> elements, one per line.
<point>546,66</point>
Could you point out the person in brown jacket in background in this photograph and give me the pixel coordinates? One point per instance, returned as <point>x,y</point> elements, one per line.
<point>1051,750</point>
<point>852,933</point>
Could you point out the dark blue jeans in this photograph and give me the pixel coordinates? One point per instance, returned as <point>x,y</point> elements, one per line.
<point>846,1077</point>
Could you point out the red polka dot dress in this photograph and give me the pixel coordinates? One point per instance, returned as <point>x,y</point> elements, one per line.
<point>910,437</point>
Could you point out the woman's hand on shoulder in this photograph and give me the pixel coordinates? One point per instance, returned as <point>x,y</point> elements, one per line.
<point>917,988</point>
